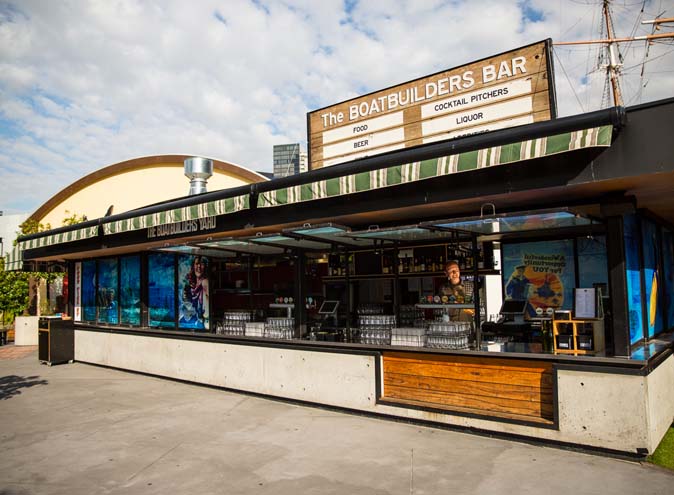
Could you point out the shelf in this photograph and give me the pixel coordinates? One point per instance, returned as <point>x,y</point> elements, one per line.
<point>357,277</point>
<point>573,343</point>
<point>244,292</point>
<point>445,306</point>
<point>376,276</point>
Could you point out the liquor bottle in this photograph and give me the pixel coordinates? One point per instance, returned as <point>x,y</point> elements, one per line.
<point>401,265</point>
<point>422,265</point>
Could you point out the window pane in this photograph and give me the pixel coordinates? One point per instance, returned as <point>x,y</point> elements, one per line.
<point>592,262</point>
<point>89,291</point>
<point>106,299</point>
<point>542,273</point>
<point>161,290</point>
<point>668,274</point>
<point>129,298</point>
<point>652,277</point>
<point>633,275</point>
<point>193,280</point>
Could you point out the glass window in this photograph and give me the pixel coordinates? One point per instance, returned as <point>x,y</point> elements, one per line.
<point>668,274</point>
<point>592,262</point>
<point>89,290</point>
<point>129,297</point>
<point>161,290</point>
<point>542,273</point>
<point>193,292</point>
<point>633,276</point>
<point>106,295</point>
<point>652,277</point>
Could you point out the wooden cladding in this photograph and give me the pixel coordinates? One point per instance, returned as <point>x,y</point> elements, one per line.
<point>509,388</point>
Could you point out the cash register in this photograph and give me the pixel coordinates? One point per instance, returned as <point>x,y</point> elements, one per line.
<point>511,322</point>
<point>327,329</point>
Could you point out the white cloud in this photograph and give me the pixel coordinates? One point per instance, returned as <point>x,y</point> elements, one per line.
<point>84,84</point>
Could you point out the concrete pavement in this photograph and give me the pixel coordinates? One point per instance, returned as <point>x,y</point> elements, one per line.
<point>81,429</point>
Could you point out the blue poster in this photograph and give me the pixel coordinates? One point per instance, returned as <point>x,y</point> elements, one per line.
<point>129,286</point>
<point>651,250</point>
<point>161,290</point>
<point>106,295</point>
<point>89,290</point>
<point>542,273</point>
<point>668,274</point>
<point>193,292</point>
<point>633,277</point>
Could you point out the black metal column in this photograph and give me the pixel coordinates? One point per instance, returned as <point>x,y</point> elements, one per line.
<point>300,294</point>
<point>617,278</point>
<point>476,292</point>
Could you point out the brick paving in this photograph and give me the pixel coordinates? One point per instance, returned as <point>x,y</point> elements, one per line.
<point>16,352</point>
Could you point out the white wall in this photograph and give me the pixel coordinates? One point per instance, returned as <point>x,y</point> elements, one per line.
<point>9,226</point>
<point>333,379</point>
<point>660,385</point>
<point>596,409</point>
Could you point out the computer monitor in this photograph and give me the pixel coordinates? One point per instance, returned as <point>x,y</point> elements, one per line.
<point>328,308</point>
<point>512,311</point>
<point>513,307</point>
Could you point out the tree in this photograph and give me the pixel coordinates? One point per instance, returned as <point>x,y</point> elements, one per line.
<point>13,293</point>
<point>14,286</point>
<point>73,219</point>
<point>32,226</point>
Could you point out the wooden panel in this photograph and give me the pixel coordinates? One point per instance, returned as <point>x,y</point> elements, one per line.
<point>483,89</point>
<point>489,386</point>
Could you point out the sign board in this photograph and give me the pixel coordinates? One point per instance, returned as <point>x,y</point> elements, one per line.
<point>78,291</point>
<point>506,90</point>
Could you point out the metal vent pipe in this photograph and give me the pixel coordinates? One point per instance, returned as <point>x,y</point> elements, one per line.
<point>198,170</point>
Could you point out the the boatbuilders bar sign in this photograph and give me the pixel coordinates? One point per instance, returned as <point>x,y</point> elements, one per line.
<point>506,90</point>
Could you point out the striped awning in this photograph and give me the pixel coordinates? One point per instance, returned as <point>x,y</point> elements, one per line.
<point>437,167</point>
<point>69,236</point>
<point>14,259</point>
<point>194,212</point>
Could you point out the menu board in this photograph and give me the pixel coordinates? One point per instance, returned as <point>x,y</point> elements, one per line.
<point>506,90</point>
<point>585,303</point>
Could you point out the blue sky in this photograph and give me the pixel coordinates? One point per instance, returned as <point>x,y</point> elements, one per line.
<point>85,84</point>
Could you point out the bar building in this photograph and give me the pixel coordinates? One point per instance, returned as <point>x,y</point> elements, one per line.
<point>327,287</point>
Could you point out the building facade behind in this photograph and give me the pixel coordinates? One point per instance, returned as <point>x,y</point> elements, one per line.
<point>9,227</point>
<point>289,160</point>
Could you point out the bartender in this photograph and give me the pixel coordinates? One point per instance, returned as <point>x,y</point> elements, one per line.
<point>454,291</point>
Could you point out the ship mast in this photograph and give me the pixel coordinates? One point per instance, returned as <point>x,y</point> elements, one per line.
<point>613,66</point>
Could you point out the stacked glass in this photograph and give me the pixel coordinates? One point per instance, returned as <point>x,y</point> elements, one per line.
<point>376,329</point>
<point>233,323</point>
<point>411,316</point>
<point>370,309</point>
<point>279,328</point>
<point>449,334</point>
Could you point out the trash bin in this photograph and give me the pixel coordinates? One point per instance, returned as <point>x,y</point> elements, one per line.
<point>56,340</point>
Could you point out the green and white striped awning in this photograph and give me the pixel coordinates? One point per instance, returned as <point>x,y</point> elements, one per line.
<point>14,259</point>
<point>437,167</point>
<point>51,239</point>
<point>194,212</point>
